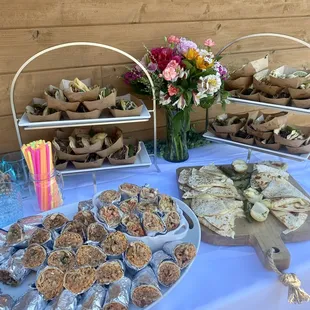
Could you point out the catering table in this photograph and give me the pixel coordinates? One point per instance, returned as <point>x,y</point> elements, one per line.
<point>221,278</point>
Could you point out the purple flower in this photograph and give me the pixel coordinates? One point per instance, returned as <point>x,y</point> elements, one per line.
<point>152,67</point>
<point>222,71</point>
<point>184,45</point>
<point>132,76</point>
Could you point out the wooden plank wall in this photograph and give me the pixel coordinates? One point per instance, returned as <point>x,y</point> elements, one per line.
<point>30,26</point>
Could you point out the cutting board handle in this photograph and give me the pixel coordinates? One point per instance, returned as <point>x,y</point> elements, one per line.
<point>262,242</point>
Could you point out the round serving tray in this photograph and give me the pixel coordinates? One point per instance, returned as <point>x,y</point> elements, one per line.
<point>193,235</point>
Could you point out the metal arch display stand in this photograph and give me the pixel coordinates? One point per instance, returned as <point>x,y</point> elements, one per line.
<point>153,110</point>
<point>211,137</point>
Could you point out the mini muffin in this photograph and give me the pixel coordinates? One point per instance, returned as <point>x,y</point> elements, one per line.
<point>152,223</point>
<point>115,244</point>
<point>40,236</point>
<point>79,280</point>
<point>129,205</point>
<point>138,255</point>
<point>96,232</point>
<point>166,204</point>
<point>54,221</point>
<point>110,215</point>
<point>130,190</point>
<point>62,259</point>
<point>118,295</point>
<point>145,206</point>
<point>15,234</point>
<point>75,227</point>
<point>85,217</point>
<point>90,255</point>
<point>50,282</point>
<point>172,220</point>
<point>68,240</point>
<point>149,194</point>
<point>109,272</point>
<point>109,196</point>
<point>34,256</point>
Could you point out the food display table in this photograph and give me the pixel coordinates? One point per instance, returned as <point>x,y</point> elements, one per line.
<point>221,278</point>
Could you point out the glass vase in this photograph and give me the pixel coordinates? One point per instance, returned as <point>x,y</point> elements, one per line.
<point>176,144</point>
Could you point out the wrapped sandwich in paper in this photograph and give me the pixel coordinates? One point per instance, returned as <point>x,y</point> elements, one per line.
<point>38,111</point>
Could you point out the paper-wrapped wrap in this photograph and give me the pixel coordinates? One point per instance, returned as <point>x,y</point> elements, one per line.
<point>32,300</point>
<point>233,128</point>
<point>5,253</point>
<point>127,158</point>
<point>301,103</point>
<point>295,142</point>
<point>278,101</point>
<point>137,255</point>
<point>84,115</point>
<point>61,165</point>
<point>43,237</point>
<point>90,255</point>
<point>93,299</point>
<point>93,148</point>
<point>42,118</point>
<point>118,295</point>
<point>166,270</point>
<point>223,135</point>
<point>248,94</point>
<point>127,113</point>
<point>239,83</point>
<point>299,93</point>
<point>261,81</point>
<point>55,221</point>
<point>6,302</point>
<point>101,104</point>
<point>270,121</point>
<point>272,146</point>
<point>113,142</point>
<point>251,68</point>
<point>35,256</point>
<point>145,289</point>
<point>88,164</point>
<point>303,149</point>
<point>62,259</point>
<point>110,271</point>
<point>12,271</point>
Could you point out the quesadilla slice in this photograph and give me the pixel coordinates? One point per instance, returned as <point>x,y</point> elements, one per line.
<point>273,171</point>
<point>184,176</point>
<point>261,180</point>
<point>228,233</point>
<point>288,204</point>
<point>216,172</point>
<point>221,192</point>
<point>292,221</point>
<point>282,189</point>
<point>274,164</point>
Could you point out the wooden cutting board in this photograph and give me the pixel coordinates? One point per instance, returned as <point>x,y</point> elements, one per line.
<point>262,236</point>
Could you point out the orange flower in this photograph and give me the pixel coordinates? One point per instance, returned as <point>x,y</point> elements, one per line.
<point>202,64</point>
<point>191,54</point>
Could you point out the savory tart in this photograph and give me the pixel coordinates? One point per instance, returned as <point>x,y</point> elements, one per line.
<point>109,272</point>
<point>85,217</point>
<point>152,223</point>
<point>90,255</point>
<point>115,244</point>
<point>62,259</point>
<point>50,282</point>
<point>109,196</point>
<point>79,280</point>
<point>96,232</point>
<point>68,240</point>
<point>54,221</point>
<point>34,256</point>
<point>40,236</point>
<point>138,255</point>
<point>110,215</point>
<point>130,190</point>
<point>172,220</point>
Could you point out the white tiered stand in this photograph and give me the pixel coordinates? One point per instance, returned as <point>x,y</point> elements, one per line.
<point>282,152</point>
<point>143,159</point>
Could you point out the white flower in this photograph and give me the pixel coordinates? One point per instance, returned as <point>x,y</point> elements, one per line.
<point>209,84</point>
<point>180,103</point>
<point>197,97</point>
<point>164,99</point>
<point>183,73</point>
<point>204,53</point>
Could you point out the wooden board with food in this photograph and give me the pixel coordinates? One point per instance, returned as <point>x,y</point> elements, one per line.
<point>248,204</point>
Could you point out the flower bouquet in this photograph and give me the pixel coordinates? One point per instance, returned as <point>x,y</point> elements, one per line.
<point>184,75</point>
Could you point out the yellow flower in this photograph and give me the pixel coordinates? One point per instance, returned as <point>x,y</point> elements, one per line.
<point>191,54</point>
<point>202,64</point>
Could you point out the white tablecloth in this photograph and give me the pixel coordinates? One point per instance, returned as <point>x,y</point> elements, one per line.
<point>221,278</point>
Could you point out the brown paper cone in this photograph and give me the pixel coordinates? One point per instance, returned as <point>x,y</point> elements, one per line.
<point>46,118</point>
<point>239,83</point>
<point>251,68</point>
<point>286,142</point>
<point>114,147</point>
<point>101,104</point>
<point>62,166</point>
<point>254,96</point>
<point>59,105</point>
<point>129,160</point>
<point>84,165</point>
<point>62,134</point>
<point>304,149</point>
<point>299,93</point>
<point>218,134</point>
<point>278,101</point>
<point>275,146</point>
<point>259,134</point>
<point>279,120</point>
<point>259,85</point>
<point>134,112</point>
<point>65,156</point>
<point>301,103</point>
<point>82,96</point>
<point>231,128</point>
<point>93,148</point>
<point>249,141</point>
<point>84,115</point>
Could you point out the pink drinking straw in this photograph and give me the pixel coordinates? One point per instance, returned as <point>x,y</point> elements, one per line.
<point>38,174</point>
<point>48,163</point>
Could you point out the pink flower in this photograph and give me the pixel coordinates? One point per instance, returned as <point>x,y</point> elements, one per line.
<point>173,64</point>
<point>173,39</point>
<point>170,74</point>
<point>172,90</point>
<point>209,43</point>
<point>180,103</point>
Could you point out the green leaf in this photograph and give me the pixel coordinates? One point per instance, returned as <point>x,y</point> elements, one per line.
<point>187,64</point>
<point>177,121</point>
<point>184,84</point>
<point>207,102</point>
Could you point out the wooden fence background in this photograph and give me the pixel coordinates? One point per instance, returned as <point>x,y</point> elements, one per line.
<point>30,26</point>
